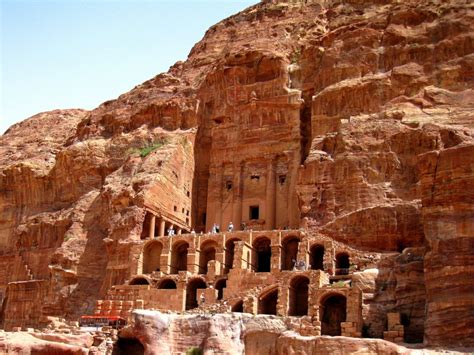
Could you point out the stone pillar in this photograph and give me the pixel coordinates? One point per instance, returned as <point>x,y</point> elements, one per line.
<point>303,252</point>
<point>220,203</point>
<point>276,258</point>
<point>237,195</point>
<point>151,232</point>
<point>220,255</point>
<point>283,300</point>
<point>238,256</point>
<point>162,227</point>
<point>270,196</point>
<point>193,261</point>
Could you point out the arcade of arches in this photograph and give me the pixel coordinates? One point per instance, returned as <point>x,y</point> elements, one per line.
<point>250,272</point>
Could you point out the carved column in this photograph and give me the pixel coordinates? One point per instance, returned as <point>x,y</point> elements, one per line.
<point>162,227</point>
<point>237,195</point>
<point>220,203</point>
<point>151,232</point>
<point>270,196</point>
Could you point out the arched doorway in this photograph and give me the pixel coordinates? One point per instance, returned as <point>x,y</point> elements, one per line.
<point>342,264</point>
<point>229,253</point>
<point>238,307</point>
<point>267,303</point>
<point>191,292</point>
<point>289,253</point>
<point>317,257</point>
<point>208,253</point>
<point>167,284</point>
<point>220,285</point>
<point>179,257</point>
<point>332,313</point>
<point>298,305</point>
<point>262,254</point>
<point>139,281</point>
<point>151,257</point>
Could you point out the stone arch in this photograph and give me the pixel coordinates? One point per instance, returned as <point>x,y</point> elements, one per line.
<point>332,313</point>
<point>139,280</point>
<point>208,253</point>
<point>229,252</point>
<point>298,296</point>
<point>342,263</point>
<point>191,292</point>
<point>238,307</point>
<point>167,284</point>
<point>220,285</point>
<point>128,346</point>
<point>316,253</point>
<point>267,301</point>
<point>289,252</point>
<point>262,254</point>
<point>151,256</point>
<point>179,257</point>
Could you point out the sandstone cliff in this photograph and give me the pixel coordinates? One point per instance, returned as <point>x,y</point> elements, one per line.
<point>364,108</point>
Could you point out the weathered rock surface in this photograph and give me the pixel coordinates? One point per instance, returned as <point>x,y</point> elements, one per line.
<point>363,109</point>
<point>160,333</point>
<point>38,343</point>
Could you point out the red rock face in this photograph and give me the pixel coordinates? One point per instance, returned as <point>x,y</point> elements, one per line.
<point>352,120</point>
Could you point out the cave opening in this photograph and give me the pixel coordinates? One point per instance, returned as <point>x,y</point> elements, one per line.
<point>128,346</point>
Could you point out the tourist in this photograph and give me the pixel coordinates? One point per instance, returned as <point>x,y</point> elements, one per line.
<point>170,231</point>
<point>202,298</point>
<point>218,228</point>
<point>193,232</point>
<point>230,228</point>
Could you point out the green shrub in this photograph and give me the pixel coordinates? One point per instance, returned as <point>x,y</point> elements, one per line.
<point>148,148</point>
<point>194,350</point>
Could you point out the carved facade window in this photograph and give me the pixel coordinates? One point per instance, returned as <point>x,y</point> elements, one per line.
<point>228,185</point>
<point>255,177</point>
<point>254,212</point>
<point>281,179</point>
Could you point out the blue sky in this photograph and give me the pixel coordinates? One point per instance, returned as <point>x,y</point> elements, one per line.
<point>78,54</point>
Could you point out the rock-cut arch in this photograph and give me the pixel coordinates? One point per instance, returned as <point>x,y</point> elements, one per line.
<point>151,256</point>
<point>208,253</point>
<point>262,254</point>
<point>317,257</point>
<point>179,257</point>
<point>298,296</point>
<point>332,314</point>
<point>342,263</point>
<point>139,280</point>
<point>267,302</point>
<point>167,284</point>
<point>191,292</point>
<point>289,252</point>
